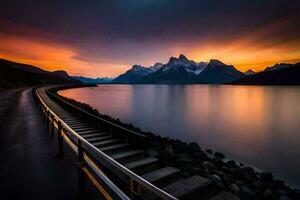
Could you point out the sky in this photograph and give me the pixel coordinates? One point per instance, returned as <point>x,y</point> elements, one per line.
<point>99,38</point>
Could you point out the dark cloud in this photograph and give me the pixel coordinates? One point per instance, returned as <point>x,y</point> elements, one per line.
<point>147,19</point>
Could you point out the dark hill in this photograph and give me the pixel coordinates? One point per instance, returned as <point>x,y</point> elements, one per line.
<point>217,72</point>
<point>14,74</point>
<point>284,76</point>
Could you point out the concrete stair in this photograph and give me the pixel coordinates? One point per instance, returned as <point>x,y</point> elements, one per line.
<point>128,156</point>
<point>115,148</point>
<point>162,176</point>
<point>106,143</point>
<point>143,166</point>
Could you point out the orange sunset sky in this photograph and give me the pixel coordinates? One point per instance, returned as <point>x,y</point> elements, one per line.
<point>73,43</point>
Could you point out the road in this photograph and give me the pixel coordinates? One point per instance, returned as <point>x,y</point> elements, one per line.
<point>29,165</point>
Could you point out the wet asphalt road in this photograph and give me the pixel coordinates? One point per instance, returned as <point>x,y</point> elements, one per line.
<point>29,165</point>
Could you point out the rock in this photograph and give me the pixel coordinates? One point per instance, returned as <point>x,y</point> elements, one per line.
<point>246,174</point>
<point>217,180</point>
<point>228,179</point>
<point>209,151</point>
<point>208,166</point>
<point>283,197</point>
<point>277,184</point>
<point>197,170</point>
<point>152,152</point>
<point>266,176</point>
<point>267,193</point>
<point>246,191</point>
<point>231,163</point>
<point>225,196</point>
<point>250,171</point>
<point>219,155</point>
<point>194,146</point>
<point>234,188</point>
<point>239,182</point>
<point>217,177</point>
<point>169,149</point>
<point>257,186</point>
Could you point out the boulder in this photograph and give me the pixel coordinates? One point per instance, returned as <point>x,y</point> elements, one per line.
<point>209,151</point>
<point>246,191</point>
<point>219,155</point>
<point>234,188</point>
<point>267,193</point>
<point>194,146</point>
<point>266,176</point>
<point>208,166</point>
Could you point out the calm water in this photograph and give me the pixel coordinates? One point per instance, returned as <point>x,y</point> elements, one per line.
<point>258,126</point>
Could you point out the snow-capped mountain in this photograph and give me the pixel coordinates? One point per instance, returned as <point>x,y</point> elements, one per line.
<point>133,75</point>
<point>181,70</point>
<point>177,70</point>
<point>156,66</point>
<point>182,62</point>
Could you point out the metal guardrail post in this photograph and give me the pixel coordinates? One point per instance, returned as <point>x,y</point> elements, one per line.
<point>47,119</point>
<point>60,140</point>
<point>52,126</point>
<point>43,113</point>
<point>80,165</point>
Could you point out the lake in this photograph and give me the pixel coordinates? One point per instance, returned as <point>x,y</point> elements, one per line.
<point>256,125</point>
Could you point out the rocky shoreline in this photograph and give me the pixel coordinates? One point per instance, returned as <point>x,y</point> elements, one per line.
<point>231,176</point>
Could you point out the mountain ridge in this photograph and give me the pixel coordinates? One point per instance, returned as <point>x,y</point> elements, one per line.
<point>14,74</point>
<point>180,70</point>
<point>280,76</point>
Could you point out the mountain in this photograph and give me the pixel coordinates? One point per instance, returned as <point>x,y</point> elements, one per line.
<point>14,74</point>
<point>217,72</point>
<point>92,80</point>
<point>181,70</point>
<point>136,73</point>
<point>156,66</point>
<point>177,70</point>
<point>249,72</point>
<point>281,76</point>
<point>278,66</point>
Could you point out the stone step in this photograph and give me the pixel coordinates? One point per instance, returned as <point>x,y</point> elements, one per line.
<point>78,123</point>
<point>99,138</point>
<point>92,135</point>
<point>114,148</point>
<point>80,130</point>
<point>81,126</point>
<point>128,156</point>
<point>183,188</point>
<point>106,143</point>
<point>161,175</point>
<point>70,119</point>
<point>83,133</point>
<point>225,196</point>
<point>143,166</point>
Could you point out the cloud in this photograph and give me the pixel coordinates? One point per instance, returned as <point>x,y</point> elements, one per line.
<point>101,38</point>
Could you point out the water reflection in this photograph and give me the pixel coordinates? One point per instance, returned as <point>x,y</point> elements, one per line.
<point>256,125</point>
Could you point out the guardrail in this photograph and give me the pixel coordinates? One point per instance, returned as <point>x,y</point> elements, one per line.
<point>91,159</point>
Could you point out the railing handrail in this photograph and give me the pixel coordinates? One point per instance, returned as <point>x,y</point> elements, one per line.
<point>132,175</point>
<point>97,117</point>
